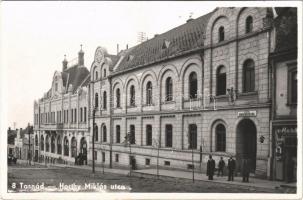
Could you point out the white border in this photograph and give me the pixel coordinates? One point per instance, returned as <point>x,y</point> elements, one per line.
<point>3,112</point>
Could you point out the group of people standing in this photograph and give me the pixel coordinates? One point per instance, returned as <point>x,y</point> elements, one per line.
<point>231,166</point>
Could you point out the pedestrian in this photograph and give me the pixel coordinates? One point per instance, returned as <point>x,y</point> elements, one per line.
<point>231,168</point>
<point>245,170</point>
<point>221,166</point>
<point>211,164</point>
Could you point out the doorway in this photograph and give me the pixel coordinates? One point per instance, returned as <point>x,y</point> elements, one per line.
<point>246,146</point>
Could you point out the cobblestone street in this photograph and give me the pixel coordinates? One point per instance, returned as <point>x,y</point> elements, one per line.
<point>26,178</point>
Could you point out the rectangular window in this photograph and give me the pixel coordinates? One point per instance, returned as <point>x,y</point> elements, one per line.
<point>84,114</point>
<point>95,155</point>
<point>117,133</point>
<point>292,86</point>
<point>103,156</point>
<point>190,166</point>
<point>166,163</point>
<point>72,115</point>
<point>116,157</point>
<point>67,116</point>
<point>168,135</point>
<point>81,114</point>
<point>132,139</point>
<point>192,136</point>
<point>149,135</point>
<point>147,161</point>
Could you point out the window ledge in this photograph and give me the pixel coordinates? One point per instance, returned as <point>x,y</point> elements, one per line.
<point>148,105</point>
<point>132,106</point>
<point>192,99</point>
<point>249,93</point>
<point>168,102</point>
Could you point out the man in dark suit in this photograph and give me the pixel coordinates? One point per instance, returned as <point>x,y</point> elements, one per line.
<point>231,168</point>
<point>211,164</point>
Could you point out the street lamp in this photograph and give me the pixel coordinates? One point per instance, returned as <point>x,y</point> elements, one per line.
<point>93,141</point>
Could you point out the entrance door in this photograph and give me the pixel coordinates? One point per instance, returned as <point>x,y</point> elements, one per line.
<point>246,143</point>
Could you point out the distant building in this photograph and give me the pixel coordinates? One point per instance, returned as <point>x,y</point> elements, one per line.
<point>22,144</point>
<point>61,117</point>
<point>11,135</point>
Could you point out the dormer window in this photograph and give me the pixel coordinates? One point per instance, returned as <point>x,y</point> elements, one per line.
<point>221,34</point>
<point>130,58</point>
<point>56,87</point>
<point>165,44</point>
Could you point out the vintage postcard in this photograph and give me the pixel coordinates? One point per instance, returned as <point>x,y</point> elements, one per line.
<point>151,100</point>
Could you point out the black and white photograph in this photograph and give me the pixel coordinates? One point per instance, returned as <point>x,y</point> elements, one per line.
<point>151,99</point>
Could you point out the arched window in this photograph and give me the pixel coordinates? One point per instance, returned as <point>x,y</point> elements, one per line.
<point>249,76</point>
<point>59,145</point>
<point>149,135</point>
<point>66,146</point>
<point>221,80</point>
<point>132,95</point>
<point>249,24</point>
<point>104,134</point>
<point>104,100</point>
<point>193,85</point>
<point>96,100</point>
<point>36,140</point>
<point>220,137</point>
<point>118,98</point>
<point>96,75</point>
<point>104,73</point>
<point>42,142</point>
<point>149,93</point>
<point>96,133</point>
<point>192,136</point>
<point>74,147</point>
<point>53,146</point>
<point>47,143</point>
<point>169,89</point>
<point>221,34</point>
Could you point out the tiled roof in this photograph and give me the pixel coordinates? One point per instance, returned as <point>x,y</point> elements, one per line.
<point>76,75</point>
<point>287,33</point>
<point>176,41</point>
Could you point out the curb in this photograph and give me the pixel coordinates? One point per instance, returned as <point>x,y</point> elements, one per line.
<point>145,175</point>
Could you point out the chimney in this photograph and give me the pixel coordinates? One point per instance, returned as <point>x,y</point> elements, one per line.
<point>156,35</point>
<point>64,64</point>
<point>126,46</point>
<point>189,20</point>
<point>117,49</point>
<point>81,57</point>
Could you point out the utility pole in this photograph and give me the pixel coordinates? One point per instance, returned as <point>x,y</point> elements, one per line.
<point>93,141</point>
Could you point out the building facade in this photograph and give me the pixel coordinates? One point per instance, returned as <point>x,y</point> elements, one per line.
<point>202,88</point>
<point>61,125</point>
<point>285,95</point>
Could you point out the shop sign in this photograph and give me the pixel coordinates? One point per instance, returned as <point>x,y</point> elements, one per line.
<point>251,113</point>
<point>284,131</point>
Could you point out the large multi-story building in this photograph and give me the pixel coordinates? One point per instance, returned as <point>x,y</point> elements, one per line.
<point>61,117</point>
<point>201,88</point>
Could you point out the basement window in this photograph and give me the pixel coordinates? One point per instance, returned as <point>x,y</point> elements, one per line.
<point>166,163</point>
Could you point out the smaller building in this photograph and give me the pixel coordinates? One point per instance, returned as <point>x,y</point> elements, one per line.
<point>11,135</point>
<point>285,96</point>
<point>22,144</point>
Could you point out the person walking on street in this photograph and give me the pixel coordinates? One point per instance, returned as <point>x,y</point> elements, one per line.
<point>231,168</point>
<point>211,164</point>
<point>221,166</point>
<point>245,170</point>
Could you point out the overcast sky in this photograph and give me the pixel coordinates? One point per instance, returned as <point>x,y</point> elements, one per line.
<point>36,35</point>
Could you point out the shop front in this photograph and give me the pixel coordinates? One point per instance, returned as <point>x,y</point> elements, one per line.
<point>285,158</point>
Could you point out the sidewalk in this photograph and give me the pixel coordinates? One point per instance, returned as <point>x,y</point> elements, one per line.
<point>148,173</point>
<point>253,182</point>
